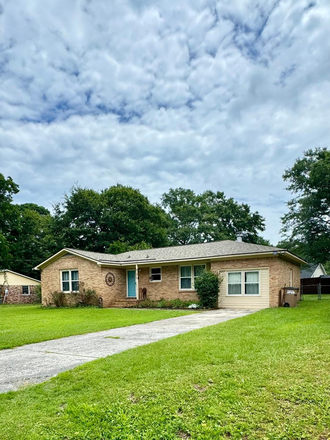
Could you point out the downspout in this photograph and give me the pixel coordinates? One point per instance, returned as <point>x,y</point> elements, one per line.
<point>137,282</point>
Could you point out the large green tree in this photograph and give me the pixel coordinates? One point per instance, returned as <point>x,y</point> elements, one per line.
<point>307,224</point>
<point>113,220</point>
<point>25,237</point>
<point>196,218</point>
<point>33,240</point>
<point>8,219</point>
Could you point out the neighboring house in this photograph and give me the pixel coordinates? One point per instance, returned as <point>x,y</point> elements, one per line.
<point>252,275</point>
<point>17,288</point>
<point>313,271</point>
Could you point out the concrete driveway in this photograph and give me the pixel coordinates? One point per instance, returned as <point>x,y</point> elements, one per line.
<point>35,363</point>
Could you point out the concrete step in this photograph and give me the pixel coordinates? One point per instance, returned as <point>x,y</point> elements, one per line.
<point>124,303</point>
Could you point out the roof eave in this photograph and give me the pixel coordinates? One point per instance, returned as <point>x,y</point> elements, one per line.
<point>61,253</point>
<point>279,253</point>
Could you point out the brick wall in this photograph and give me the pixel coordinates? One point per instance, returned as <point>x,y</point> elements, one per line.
<point>15,296</point>
<point>92,275</point>
<point>279,272</point>
<point>168,288</point>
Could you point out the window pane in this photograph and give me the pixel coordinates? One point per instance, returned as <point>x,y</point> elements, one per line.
<point>252,277</point>
<point>74,275</point>
<point>185,283</point>
<point>234,289</point>
<point>185,271</point>
<point>252,289</point>
<point>66,286</point>
<point>25,290</point>
<point>155,270</point>
<point>75,286</point>
<point>234,278</point>
<point>65,276</point>
<point>198,269</point>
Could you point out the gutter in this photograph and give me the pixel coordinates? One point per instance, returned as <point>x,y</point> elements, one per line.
<point>279,253</point>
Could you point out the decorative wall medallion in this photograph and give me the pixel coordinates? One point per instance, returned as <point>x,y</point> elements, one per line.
<point>110,279</point>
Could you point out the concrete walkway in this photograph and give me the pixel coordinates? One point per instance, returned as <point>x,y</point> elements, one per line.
<point>35,363</point>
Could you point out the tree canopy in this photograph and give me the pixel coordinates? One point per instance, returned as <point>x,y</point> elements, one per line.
<point>197,218</point>
<point>113,220</point>
<point>307,224</point>
<point>8,216</point>
<point>24,231</point>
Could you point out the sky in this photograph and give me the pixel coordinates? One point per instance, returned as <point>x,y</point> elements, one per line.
<point>207,95</point>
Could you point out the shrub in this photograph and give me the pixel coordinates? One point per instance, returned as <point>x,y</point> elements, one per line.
<point>37,292</point>
<point>165,304</point>
<point>58,299</point>
<point>207,288</point>
<point>88,297</point>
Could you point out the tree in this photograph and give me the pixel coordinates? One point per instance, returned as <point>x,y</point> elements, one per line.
<point>307,224</point>
<point>197,218</point>
<point>113,220</point>
<point>77,221</point>
<point>8,219</point>
<point>32,241</point>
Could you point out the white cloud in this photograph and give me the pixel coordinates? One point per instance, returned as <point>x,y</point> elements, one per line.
<point>207,95</point>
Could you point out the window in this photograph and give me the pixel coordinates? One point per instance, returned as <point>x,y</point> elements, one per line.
<point>70,280</point>
<point>243,283</point>
<point>155,274</point>
<point>187,282</point>
<point>26,290</point>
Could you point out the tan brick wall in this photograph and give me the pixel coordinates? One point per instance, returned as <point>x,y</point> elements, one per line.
<point>168,288</point>
<point>279,272</point>
<point>92,275</point>
<point>281,278</point>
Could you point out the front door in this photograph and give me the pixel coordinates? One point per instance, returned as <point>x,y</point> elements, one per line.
<point>131,293</point>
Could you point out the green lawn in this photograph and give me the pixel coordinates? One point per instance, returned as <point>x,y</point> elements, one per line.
<point>20,325</point>
<point>264,376</point>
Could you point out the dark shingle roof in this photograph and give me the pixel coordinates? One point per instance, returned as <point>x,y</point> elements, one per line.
<point>309,270</point>
<point>187,252</point>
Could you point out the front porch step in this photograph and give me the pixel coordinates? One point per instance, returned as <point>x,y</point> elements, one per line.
<point>125,303</point>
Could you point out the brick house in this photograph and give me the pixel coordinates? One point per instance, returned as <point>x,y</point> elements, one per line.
<point>17,288</point>
<point>252,275</point>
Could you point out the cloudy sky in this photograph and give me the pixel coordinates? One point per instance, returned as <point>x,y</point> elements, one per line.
<point>202,94</point>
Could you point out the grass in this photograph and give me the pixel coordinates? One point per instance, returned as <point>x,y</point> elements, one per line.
<point>264,376</point>
<point>20,325</point>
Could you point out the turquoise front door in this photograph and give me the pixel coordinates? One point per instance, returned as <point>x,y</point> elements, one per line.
<point>131,293</point>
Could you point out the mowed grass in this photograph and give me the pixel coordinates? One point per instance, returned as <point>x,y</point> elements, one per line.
<point>20,325</point>
<point>264,376</point>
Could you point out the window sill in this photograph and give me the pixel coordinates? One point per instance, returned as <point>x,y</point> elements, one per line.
<point>242,295</point>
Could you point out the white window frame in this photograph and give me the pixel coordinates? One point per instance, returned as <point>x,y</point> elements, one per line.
<point>192,276</point>
<point>70,281</point>
<point>151,275</point>
<point>243,283</point>
<point>28,290</point>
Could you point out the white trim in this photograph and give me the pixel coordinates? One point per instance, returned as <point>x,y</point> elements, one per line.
<point>130,270</point>
<point>266,254</point>
<point>192,277</point>
<point>29,290</point>
<point>279,253</point>
<point>150,274</point>
<point>137,282</point>
<point>62,252</point>
<point>243,294</point>
<point>70,281</point>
